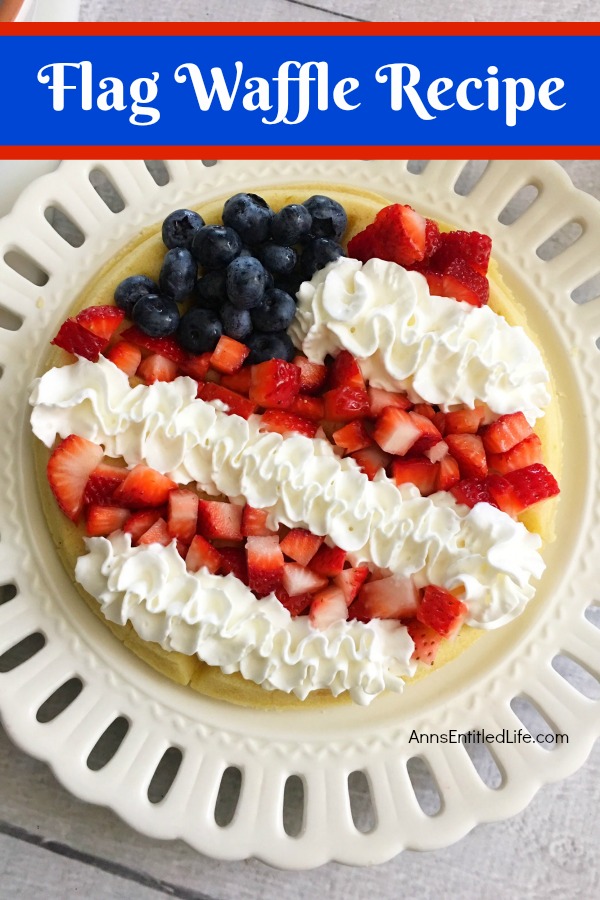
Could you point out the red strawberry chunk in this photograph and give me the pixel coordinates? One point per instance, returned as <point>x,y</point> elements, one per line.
<point>156,534</point>
<point>448,473</point>
<point>101,521</point>
<point>471,491</point>
<point>229,355</point>
<point>432,238</point>
<point>520,456</point>
<point>76,339</point>
<point>217,519</point>
<point>312,375</point>
<point>157,368</point>
<point>254,522</point>
<point>418,471</point>
<point>371,460</point>
<point>426,641</point>
<point>233,562</point>
<point>522,488</point>
<point>139,522</point>
<point>471,246</point>
<point>439,420</point>
<point>265,564</point>
<point>465,421</point>
<point>379,399</point>
<point>328,607</point>
<point>435,283</point>
<point>393,597</point>
<point>126,357</point>
<point>296,606</point>
<point>202,554</point>
<point>300,545</point>
<point>467,450</point>
<point>352,437</point>
<point>506,432</point>
<point>298,579</point>
<point>442,611</point>
<point>165,346</point>
<point>307,407</point>
<point>274,384</point>
<point>144,487</point>
<point>424,409</point>
<point>237,405</point>
<point>196,366</point>
<point>68,471</point>
<point>284,422</point>
<point>398,234</point>
<point>463,283</point>
<point>328,561</point>
<point>350,582</point>
<point>102,484</point>
<point>396,431</point>
<point>237,381</point>
<point>428,433</point>
<point>345,372</point>
<point>183,514</point>
<point>343,404</point>
<point>102,321</point>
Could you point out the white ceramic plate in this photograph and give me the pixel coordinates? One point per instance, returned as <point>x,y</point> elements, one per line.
<point>322,748</point>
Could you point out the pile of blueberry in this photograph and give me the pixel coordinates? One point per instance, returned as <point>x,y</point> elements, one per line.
<point>240,278</point>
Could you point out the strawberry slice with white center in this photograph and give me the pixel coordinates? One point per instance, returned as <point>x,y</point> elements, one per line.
<point>139,522</point>
<point>345,372</point>
<point>300,545</point>
<point>157,368</point>
<point>352,437</point>
<point>428,433</point>
<point>426,641</point>
<point>437,452</point>
<point>274,383</point>
<point>328,561</point>
<point>371,461</point>
<point>468,451</point>
<point>523,454</point>
<point>196,366</point>
<point>229,355</point>
<point>202,554</point>
<point>69,469</point>
<point>254,522</point>
<point>328,608</point>
<point>127,357</point>
<point>283,422</point>
<point>465,421</point>
<point>101,521</point>
<point>265,564</point>
<point>144,487</point>
<point>418,471</point>
<point>379,399</point>
<point>297,605</point>
<point>350,581</point>
<point>235,403</point>
<point>342,404</point>
<point>102,321</point>
<point>217,519</point>
<point>395,431</point>
<point>312,375</point>
<point>517,491</point>
<point>300,580</point>
<point>448,473</point>
<point>506,432</point>
<point>442,611</point>
<point>156,534</point>
<point>394,597</point>
<point>183,514</point>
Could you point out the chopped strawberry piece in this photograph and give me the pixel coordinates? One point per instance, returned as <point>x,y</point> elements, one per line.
<point>432,238</point>
<point>156,534</point>
<point>76,339</point>
<point>350,581</point>
<point>217,519</point>
<point>465,421</point>
<point>233,562</point>
<point>126,357</point>
<point>327,608</point>
<point>467,450</point>
<point>254,522</point>
<point>448,473</point>
<point>464,284</point>
<point>506,432</point>
<point>265,564</point>
<point>522,488</point>
<point>328,561</point>
<point>396,431</point>
<point>300,545</point>
<point>471,246</point>
<point>139,522</point>
<point>426,641</point>
<point>238,381</point>
<point>68,471</point>
<point>102,321</point>
<point>307,407</point>
<point>352,437</point>
<point>428,433</point>
<point>298,579</point>
<point>144,487</point>
<point>442,611</point>
<point>229,355</point>
<point>274,384</point>
<point>520,456</point>
<point>418,471</point>
<point>439,420</point>
<point>165,346</point>
<point>379,399</point>
<point>237,405</point>
<point>103,520</point>
<point>394,597</point>
<point>435,283</point>
<point>102,484</point>
<point>202,554</point>
<point>157,368</point>
<point>398,234</point>
<point>196,366</point>
<point>437,452</point>
<point>283,422</point>
<point>345,372</point>
<point>371,460</point>
<point>471,491</point>
<point>312,375</point>
<point>296,606</point>
<point>183,514</point>
<point>424,409</point>
<point>343,404</point>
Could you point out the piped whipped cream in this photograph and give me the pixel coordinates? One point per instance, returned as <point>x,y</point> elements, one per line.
<point>436,349</point>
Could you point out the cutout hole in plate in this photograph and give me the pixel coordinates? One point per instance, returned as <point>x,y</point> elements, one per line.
<point>58,701</point>
<point>108,744</point>
<point>534,721</point>
<point>484,763</point>
<point>424,785</point>
<point>592,614</point>
<point>165,774</point>
<point>577,676</point>
<point>416,166</point>
<point>560,241</point>
<point>21,652</point>
<point>361,802</point>
<point>107,190</point>
<point>228,796</point>
<point>158,171</point>
<point>209,162</point>
<point>25,266</point>
<point>8,592</point>
<point>9,320</point>
<point>518,204</point>
<point>588,290</point>
<point>293,806</point>
<point>64,226</point>
<point>471,175</point>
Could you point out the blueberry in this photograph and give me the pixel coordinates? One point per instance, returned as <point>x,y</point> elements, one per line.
<point>289,283</point>
<point>275,312</point>
<point>156,315</point>
<point>180,227</point>
<point>199,330</point>
<point>133,289</point>
<point>246,279</point>
<point>329,219</point>
<point>211,292</point>
<point>279,260</point>
<point>214,246</point>
<point>291,224</point>
<point>178,274</point>
<point>237,323</point>
<point>317,254</point>
<point>269,346</point>
<point>250,215</point>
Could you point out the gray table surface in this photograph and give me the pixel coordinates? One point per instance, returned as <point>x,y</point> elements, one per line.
<point>54,846</point>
